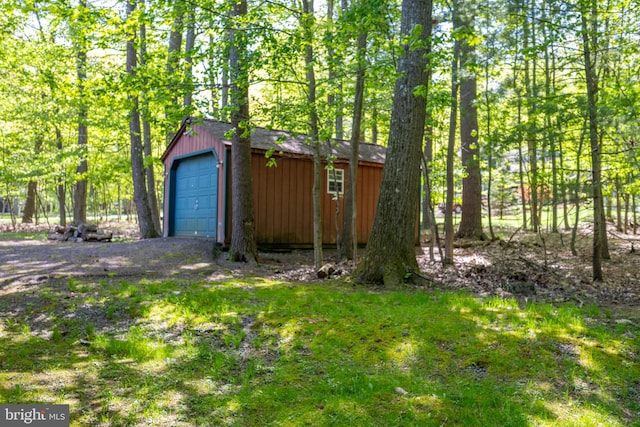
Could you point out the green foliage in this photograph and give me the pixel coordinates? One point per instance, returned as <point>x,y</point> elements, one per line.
<point>41,97</point>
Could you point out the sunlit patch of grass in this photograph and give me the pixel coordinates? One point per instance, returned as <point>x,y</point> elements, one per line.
<point>260,352</point>
<point>134,345</point>
<point>569,413</point>
<point>23,235</point>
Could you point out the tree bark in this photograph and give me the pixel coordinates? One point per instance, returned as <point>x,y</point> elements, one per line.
<point>471,221</point>
<point>576,193</point>
<point>618,187</point>
<point>490,153</point>
<point>140,195</point>
<point>174,50</point>
<point>146,137</point>
<point>390,253</point>
<point>349,242</point>
<point>189,44</point>
<point>531,133</point>
<point>308,20</point>
<point>61,189</point>
<point>563,185</point>
<point>29,210</point>
<point>243,242</point>
<point>589,44</point>
<point>80,188</point>
<point>549,89</point>
<point>453,115</point>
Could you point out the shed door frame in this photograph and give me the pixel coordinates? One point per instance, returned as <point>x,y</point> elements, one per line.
<point>175,163</point>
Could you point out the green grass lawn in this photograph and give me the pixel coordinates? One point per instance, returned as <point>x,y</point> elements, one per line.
<point>257,352</point>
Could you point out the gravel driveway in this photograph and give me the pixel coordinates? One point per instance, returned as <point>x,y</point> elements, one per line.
<point>29,260</point>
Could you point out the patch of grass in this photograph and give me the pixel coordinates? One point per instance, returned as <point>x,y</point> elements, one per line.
<point>258,352</point>
<point>24,235</point>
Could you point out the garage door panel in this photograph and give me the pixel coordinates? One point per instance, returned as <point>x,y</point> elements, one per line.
<point>196,196</point>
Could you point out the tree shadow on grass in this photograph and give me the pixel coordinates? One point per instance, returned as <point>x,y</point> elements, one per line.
<point>253,353</point>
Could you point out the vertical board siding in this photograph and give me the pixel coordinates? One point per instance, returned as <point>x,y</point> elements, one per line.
<point>283,201</point>
<point>369,179</point>
<point>283,194</point>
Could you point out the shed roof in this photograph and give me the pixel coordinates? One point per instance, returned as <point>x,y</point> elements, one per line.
<point>278,140</point>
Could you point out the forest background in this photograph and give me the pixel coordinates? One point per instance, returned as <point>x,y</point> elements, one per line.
<point>532,105</point>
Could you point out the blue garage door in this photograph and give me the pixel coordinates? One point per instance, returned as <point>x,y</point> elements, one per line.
<point>196,196</point>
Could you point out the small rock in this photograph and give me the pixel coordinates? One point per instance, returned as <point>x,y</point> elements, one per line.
<point>401,391</point>
<point>326,271</point>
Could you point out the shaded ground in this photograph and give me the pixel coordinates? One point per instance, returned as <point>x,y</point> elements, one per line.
<point>542,268</point>
<point>527,266</point>
<point>80,323</point>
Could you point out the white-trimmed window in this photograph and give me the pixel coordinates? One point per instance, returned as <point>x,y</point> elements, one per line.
<point>335,181</point>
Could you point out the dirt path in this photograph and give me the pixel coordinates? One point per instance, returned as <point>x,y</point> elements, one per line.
<point>523,267</point>
<point>28,260</point>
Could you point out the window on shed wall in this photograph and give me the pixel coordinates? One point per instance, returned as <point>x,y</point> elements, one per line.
<point>335,181</point>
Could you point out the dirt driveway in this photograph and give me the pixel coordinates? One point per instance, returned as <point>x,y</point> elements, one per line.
<point>483,269</point>
<point>29,260</point>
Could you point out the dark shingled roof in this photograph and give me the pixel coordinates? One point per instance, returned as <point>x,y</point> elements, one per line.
<point>278,140</point>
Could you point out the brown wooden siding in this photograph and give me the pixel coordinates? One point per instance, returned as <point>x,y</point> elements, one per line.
<point>369,178</point>
<point>283,199</point>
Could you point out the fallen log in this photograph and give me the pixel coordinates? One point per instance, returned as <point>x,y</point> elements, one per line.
<point>56,236</point>
<point>97,237</point>
<point>81,232</point>
<point>86,228</point>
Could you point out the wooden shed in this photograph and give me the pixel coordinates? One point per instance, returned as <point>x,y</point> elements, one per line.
<point>197,185</point>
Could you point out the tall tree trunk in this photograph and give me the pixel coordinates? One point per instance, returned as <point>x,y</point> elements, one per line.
<point>349,242</point>
<point>339,97</point>
<point>530,71</point>
<point>563,184</point>
<point>173,62</point>
<point>189,45</point>
<point>390,253</point>
<point>332,62</point>
<point>490,155</point>
<point>308,24</point>
<point>374,125</point>
<point>589,44</point>
<point>29,210</point>
<point>427,158</point>
<point>521,172</point>
<point>471,221</point>
<point>453,115</point>
<point>224,92</point>
<point>212,57</point>
<point>635,214</point>
<point>618,187</point>
<point>146,137</point>
<point>140,195</point>
<point>80,188</point>
<point>625,229</point>
<point>576,193</point>
<point>519,137</point>
<point>243,242</point>
<point>61,192</point>
<point>549,129</point>
<point>428,218</point>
